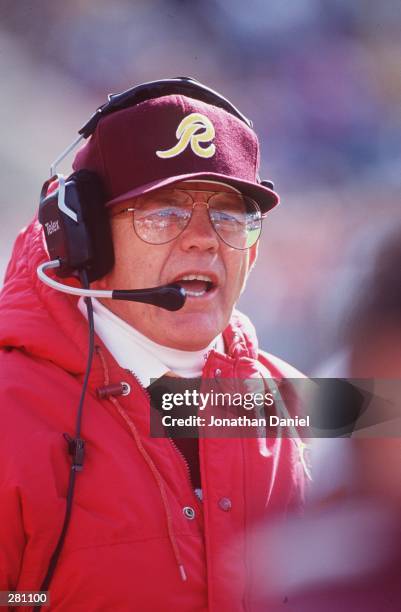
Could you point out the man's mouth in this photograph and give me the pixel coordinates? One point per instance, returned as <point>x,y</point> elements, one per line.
<point>196,285</point>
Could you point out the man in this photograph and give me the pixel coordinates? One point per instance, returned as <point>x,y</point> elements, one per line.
<point>155,524</point>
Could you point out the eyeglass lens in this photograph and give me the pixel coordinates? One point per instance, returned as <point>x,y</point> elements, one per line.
<point>162,218</point>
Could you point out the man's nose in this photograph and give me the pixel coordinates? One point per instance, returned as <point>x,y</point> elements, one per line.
<point>199,233</point>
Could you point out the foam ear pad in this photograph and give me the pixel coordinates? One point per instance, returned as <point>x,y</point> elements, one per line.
<point>84,244</point>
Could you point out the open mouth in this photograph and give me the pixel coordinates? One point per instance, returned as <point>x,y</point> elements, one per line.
<point>196,285</point>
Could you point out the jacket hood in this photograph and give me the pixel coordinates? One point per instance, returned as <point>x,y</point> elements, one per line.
<point>35,318</point>
<point>48,325</point>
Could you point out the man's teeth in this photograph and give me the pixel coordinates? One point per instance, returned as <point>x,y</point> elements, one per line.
<point>195,293</point>
<point>197,277</point>
<point>201,277</point>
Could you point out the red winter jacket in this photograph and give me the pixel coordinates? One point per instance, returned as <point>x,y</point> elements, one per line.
<point>128,533</point>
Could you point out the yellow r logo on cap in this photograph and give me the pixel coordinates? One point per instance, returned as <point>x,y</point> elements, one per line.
<point>194,128</point>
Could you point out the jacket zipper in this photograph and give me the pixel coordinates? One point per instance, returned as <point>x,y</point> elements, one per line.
<point>187,470</point>
<point>177,450</point>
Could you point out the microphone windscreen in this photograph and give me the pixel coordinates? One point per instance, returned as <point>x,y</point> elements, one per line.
<point>171,297</point>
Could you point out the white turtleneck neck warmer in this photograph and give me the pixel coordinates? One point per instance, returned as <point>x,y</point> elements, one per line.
<point>145,358</point>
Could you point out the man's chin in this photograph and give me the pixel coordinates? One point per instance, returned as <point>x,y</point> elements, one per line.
<point>189,331</point>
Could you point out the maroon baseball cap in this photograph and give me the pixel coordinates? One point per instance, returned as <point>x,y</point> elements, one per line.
<point>169,139</point>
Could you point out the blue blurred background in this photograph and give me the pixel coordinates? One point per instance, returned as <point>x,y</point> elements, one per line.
<point>321,80</point>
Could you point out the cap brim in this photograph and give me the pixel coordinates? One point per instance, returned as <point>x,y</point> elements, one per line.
<point>265,197</point>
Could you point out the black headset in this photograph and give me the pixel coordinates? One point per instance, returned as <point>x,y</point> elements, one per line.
<point>74,219</point>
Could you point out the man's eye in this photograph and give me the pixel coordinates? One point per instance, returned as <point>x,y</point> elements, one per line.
<point>171,213</point>
<point>164,214</point>
<point>221,216</point>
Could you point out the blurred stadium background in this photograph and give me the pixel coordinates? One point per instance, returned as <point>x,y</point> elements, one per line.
<point>321,80</point>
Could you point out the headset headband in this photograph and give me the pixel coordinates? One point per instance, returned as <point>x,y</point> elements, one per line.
<point>186,86</point>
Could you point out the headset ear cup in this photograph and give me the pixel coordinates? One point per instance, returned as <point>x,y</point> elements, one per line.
<point>96,220</point>
<point>76,225</point>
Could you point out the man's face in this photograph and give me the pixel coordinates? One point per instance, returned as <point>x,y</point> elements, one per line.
<point>197,251</point>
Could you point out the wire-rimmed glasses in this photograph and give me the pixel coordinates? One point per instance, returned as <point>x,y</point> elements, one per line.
<point>161,218</point>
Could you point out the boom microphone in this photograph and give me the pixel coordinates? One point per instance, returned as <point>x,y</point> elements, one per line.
<point>171,297</point>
